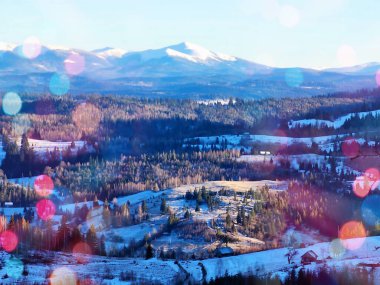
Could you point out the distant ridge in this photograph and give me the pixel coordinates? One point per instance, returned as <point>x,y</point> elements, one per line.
<point>181,70</point>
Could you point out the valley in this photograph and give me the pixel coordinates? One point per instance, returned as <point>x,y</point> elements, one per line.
<point>202,208</point>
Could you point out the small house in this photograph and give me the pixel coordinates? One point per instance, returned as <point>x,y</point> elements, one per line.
<point>309,257</point>
<point>224,251</point>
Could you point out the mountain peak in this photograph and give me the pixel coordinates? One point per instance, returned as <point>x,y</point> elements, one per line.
<point>110,52</point>
<point>197,53</point>
<point>7,46</point>
<point>188,46</point>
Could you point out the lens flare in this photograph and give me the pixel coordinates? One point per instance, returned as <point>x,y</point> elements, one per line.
<point>373,176</point>
<point>14,267</point>
<point>377,78</point>
<point>74,64</point>
<point>31,48</point>
<point>350,147</point>
<point>11,103</point>
<point>45,209</point>
<point>352,235</point>
<point>361,186</point>
<point>86,117</point>
<point>82,252</point>
<point>294,77</point>
<point>337,249</point>
<point>9,241</point>
<point>63,276</point>
<point>43,185</point>
<point>288,16</point>
<point>364,184</point>
<point>59,84</point>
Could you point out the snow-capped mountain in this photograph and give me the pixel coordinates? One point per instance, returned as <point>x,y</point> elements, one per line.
<point>108,52</point>
<point>7,46</point>
<point>181,70</point>
<point>171,60</point>
<point>186,51</point>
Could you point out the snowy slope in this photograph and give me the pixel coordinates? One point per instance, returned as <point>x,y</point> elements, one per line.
<point>325,143</point>
<point>139,197</point>
<point>98,270</point>
<point>41,147</point>
<point>185,51</point>
<point>271,262</point>
<point>274,262</point>
<point>110,52</point>
<point>336,124</point>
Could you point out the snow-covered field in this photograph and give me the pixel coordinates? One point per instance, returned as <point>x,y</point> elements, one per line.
<point>216,101</point>
<point>98,270</point>
<point>297,159</point>
<point>40,147</point>
<point>238,186</point>
<point>272,262</point>
<point>325,143</point>
<point>139,197</point>
<point>336,124</point>
<point>306,236</point>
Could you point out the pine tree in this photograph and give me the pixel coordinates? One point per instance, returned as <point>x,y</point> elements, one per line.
<point>187,214</point>
<point>91,238</point>
<point>24,148</point>
<point>144,207</point>
<point>63,235</point>
<point>197,209</point>
<point>149,251</point>
<point>76,237</point>
<point>228,221</point>
<point>106,216</point>
<point>102,246</point>
<point>163,207</point>
<point>95,203</point>
<point>125,216</point>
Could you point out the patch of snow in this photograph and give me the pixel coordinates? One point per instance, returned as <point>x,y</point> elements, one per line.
<point>336,124</point>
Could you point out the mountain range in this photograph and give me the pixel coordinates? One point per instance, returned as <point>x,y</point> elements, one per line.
<point>183,70</point>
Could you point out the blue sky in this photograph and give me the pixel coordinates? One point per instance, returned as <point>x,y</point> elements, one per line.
<point>310,33</point>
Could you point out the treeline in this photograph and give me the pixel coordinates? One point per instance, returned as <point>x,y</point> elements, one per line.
<point>363,124</point>
<point>19,195</point>
<point>24,161</point>
<point>51,118</point>
<point>41,235</point>
<point>131,174</point>
<point>325,276</point>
